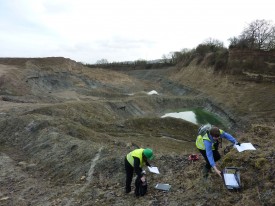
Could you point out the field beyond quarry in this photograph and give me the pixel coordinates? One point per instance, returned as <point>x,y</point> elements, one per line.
<point>65,130</point>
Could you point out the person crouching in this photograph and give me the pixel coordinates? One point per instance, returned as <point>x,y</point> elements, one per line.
<point>134,161</point>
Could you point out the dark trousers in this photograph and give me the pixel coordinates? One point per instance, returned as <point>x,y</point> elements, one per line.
<point>129,175</point>
<point>216,156</point>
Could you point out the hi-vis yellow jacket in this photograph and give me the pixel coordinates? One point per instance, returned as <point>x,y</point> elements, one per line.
<point>136,153</point>
<point>200,139</point>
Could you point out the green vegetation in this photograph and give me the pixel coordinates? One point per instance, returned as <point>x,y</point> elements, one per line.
<point>204,117</point>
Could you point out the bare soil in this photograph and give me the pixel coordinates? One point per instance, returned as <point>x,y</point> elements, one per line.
<point>65,130</point>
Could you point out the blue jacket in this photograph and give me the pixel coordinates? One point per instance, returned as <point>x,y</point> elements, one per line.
<point>208,146</point>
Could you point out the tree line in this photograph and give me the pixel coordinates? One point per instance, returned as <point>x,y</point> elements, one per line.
<point>258,35</point>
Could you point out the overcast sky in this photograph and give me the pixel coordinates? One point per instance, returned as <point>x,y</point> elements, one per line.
<point>120,30</point>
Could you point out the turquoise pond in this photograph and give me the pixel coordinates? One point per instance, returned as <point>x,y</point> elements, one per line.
<point>196,116</point>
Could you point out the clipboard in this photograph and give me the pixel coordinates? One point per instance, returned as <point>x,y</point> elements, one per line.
<point>231,178</point>
<point>153,170</point>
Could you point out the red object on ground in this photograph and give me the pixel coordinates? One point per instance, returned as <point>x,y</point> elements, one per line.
<point>193,157</point>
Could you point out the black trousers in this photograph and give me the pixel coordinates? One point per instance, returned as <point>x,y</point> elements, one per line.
<point>129,169</point>
<point>216,156</point>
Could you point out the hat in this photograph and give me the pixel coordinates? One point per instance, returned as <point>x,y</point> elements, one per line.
<point>148,153</point>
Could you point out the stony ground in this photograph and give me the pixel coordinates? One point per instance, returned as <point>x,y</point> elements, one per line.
<point>65,129</point>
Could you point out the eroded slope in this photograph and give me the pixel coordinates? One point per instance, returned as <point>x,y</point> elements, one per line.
<point>65,129</point>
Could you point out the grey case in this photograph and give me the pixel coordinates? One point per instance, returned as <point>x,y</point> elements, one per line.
<point>165,187</point>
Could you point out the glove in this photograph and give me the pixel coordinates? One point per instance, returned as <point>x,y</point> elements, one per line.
<point>143,179</point>
<point>237,143</point>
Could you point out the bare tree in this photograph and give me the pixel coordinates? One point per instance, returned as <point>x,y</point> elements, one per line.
<point>259,34</point>
<point>102,61</point>
<point>176,57</point>
<point>213,42</point>
<point>164,58</point>
<point>167,58</point>
<point>209,45</point>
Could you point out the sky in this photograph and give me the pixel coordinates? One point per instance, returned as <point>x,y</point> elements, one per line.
<point>121,30</point>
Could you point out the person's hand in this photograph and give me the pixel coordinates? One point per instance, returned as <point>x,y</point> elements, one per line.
<point>142,178</point>
<point>237,143</point>
<point>217,171</point>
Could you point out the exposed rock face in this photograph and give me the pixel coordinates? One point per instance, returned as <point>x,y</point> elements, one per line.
<point>262,62</point>
<point>65,130</point>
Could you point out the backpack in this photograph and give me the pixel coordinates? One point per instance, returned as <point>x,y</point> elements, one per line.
<point>141,187</point>
<point>204,129</point>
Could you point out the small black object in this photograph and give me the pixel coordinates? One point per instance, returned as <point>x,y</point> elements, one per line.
<point>228,148</point>
<point>141,187</point>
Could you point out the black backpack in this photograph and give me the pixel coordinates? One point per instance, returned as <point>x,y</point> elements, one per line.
<point>141,187</point>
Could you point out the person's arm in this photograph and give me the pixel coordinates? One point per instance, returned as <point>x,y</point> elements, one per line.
<point>147,163</point>
<point>229,137</point>
<point>209,154</point>
<point>217,171</point>
<point>137,169</point>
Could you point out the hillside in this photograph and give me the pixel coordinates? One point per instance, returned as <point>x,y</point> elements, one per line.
<point>66,128</point>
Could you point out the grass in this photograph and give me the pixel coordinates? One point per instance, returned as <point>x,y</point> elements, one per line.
<point>63,139</point>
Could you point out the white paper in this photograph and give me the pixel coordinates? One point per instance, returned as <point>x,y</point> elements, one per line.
<point>245,146</point>
<point>230,180</point>
<point>154,170</point>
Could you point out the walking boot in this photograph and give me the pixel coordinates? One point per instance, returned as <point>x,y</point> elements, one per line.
<point>205,172</point>
<point>127,190</point>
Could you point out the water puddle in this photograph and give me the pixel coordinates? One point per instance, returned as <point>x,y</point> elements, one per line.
<point>188,116</point>
<point>196,116</point>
